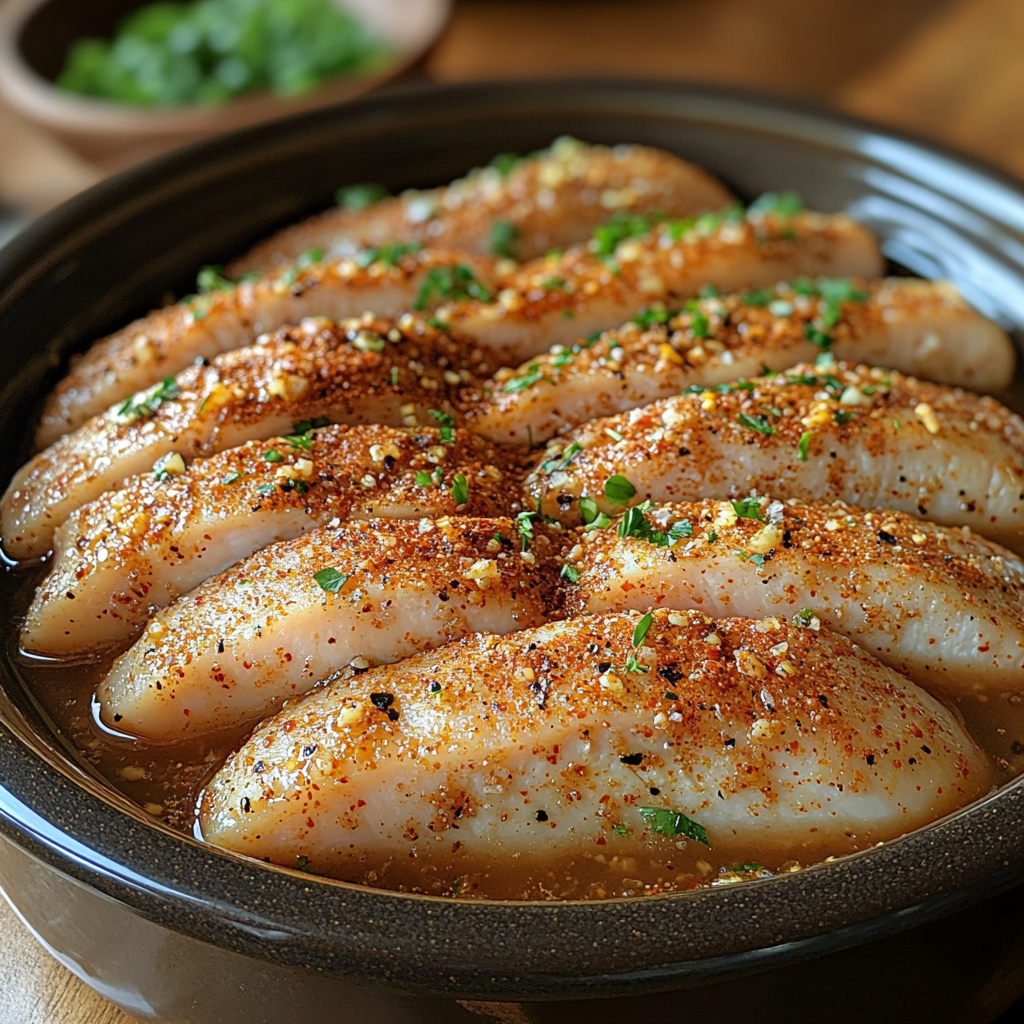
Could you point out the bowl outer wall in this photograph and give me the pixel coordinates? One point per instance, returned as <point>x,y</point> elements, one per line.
<point>116,250</point>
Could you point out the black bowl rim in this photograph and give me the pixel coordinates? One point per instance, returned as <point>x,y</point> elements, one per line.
<point>492,949</point>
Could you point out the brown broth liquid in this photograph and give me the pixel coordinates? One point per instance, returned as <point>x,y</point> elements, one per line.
<point>167,781</point>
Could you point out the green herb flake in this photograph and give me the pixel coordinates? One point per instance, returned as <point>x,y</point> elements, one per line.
<point>744,867</point>
<point>606,237</point>
<point>534,374</point>
<point>212,279</point>
<point>330,581</point>
<point>424,479</point>
<point>618,490</point>
<point>503,163</point>
<point>781,204</point>
<point>647,318</point>
<point>805,617</point>
<point>570,573</point>
<point>673,823</point>
<point>456,284</point>
<point>758,423</point>
<point>447,425</point>
<point>816,336</point>
<point>459,490</point>
<point>503,235</point>
<point>760,297</point>
<point>231,478</point>
<point>142,405</point>
<point>620,830</point>
<point>588,510</point>
<point>748,508</point>
<point>389,255</point>
<point>360,197</point>
<point>524,525</point>
<point>780,307</point>
<point>599,522</point>
<point>272,455</point>
<point>562,462</point>
<point>803,445</point>
<point>641,629</point>
<point>709,291</point>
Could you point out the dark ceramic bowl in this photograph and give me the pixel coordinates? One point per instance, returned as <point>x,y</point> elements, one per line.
<point>926,927</point>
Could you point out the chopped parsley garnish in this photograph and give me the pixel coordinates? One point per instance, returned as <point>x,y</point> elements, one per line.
<point>360,197</point>
<point>212,279</point>
<point>533,375</point>
<point>760,297</point>
<point>712,536</point>
<point>636,524</point>
<point>305,426</point>
<point>447,425</point>
<point>758,422</point>
<point>607,236</point>
<point>424,479</point>
<point>555,284</point>
<point>455,283</point>
<point>570,573</point>
<point>673,823</point>
<point>647,318</point>
<point>388,254</point>
<point>303,441</point>
<point>840,289</point>
<point>393,376</point>
<point>742,867</point>
<point>641,629</point>
<point>816,336</point>
<point>330,581</point>
<point>618,490</point>
<point>503,234</point>
<point>231,478</point>
<point>563,357</point>
<point>524,525</point>
<point>700,326</point>
<point>709,291</point>
<point>782,204</point>
<point>805,617</point>
<point>563,461</point>
<point>588,509</point>
<point>843,416</point>
<point>756,559</point>
<point>504,162</point>
<point>748,508</point>
<point>142,405</point>
<point>803,445</point>
<point>620,830</point>
<point>272,455</point>
<point>308,258</point>
<point>459,490</point>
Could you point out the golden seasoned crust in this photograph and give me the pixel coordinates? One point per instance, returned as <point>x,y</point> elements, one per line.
<point>296,612</point>
<point>920,327</point>
<point>869,436</point>
<point>367,370</point>
<point>133,550</point>
<point>940,604</point>
<point>550,200</point>
<point>758,732</point>
<point>387,280</point>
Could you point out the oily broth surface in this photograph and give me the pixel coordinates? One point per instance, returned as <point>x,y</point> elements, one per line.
<point>167,780</point>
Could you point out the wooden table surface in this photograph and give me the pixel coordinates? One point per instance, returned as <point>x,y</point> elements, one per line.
<point>953,70</point>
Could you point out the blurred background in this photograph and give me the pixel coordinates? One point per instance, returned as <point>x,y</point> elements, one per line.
<point>949,69</point>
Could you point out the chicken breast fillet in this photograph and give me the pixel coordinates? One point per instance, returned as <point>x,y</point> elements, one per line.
<point>562,298</point>
<point>762,739</point>
<point>129,552</point>
<point>363,371</point>
<point>516,207</point>
<point>295,613</point>
<point>940,604</point>
<point>386,280</point>
<point>871,437</point>
<point>919,327</point>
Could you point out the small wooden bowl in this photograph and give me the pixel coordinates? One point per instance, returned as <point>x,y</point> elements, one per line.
<point>35,36</point>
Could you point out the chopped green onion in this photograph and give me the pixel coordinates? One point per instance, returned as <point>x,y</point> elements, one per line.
<point>618,490</point>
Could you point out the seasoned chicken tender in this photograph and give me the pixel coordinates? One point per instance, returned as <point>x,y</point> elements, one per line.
<point>919,327</point>
<point>939,604</point>
<point>870,437</point>
<point>296,612</point>
<point>562,298</point>
<point>132,551</point>
<point>386,280</point>
<point>519,208</point>
<point>360,371</point>
<point>610,734</point>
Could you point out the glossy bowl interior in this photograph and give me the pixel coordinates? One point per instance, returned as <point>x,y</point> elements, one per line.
<point>117,250</point>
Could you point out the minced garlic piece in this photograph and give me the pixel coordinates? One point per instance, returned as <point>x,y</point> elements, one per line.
<point>926,414</point>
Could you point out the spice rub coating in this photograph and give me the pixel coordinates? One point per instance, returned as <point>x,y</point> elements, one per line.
<point>558,299</point>
<point>871,437</point>
<point>132,551</point>
<point>296,612</point>
<point>366,370</point>
<point>757,735</point>
<point>940,604</point>
<point>548,201</point>
<point>232,315</point>
<point>922,328</point>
